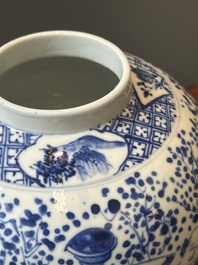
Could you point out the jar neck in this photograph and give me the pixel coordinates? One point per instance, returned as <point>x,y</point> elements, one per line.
<point>73,44</point>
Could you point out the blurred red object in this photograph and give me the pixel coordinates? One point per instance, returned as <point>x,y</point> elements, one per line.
<point>193,90</point>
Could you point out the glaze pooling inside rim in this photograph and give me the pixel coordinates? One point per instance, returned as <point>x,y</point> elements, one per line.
<point>104,151</point>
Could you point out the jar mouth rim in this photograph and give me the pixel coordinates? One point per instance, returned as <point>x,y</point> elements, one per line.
<point>19,50</point>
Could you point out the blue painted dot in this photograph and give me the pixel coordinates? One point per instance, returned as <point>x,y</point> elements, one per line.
<point>195,218</point>
<point>70,215</point>
<point>118,256</point>
<point>61,261</point>
<point>186,194</point>
<point>52,200</point>
<point>141,182</point>
<point>120,190</point>
<point>17,251</point>
<point>170,212</point>
<point>172,179</point>
<point>42,253</point>
<point>174,229</point>
<point>57,230</point>
<point>51,246</point>
<point>156,205</point>
<point>9,207</point>
<point>38,201</point>
<point>170,247</point>
<point>131,180</point>
<point>134,196</point>
<point>176,191</point>
<point>153,251</point>
<point>161,193</point>
<point>2,215</point>
<point>148,198</point>
<point>59,238</point>
<point>137,174</point>
<point>105,191</point>
<point>7,232</point>
<point>108,226</point>
<point>125,195</point>
<point>114,206</point>
<point>66,228</point>
<point>15,239</point>
<point>169,160</point>
<point>43,225</point>
<point>76,223</point>
<point>190,189</point>
<point>46,232</point>
<point>49,258</point>
<point>85,215</point>
<point>2,226</point>
<point>176,211</point>
<point>173,221</point>
<point>141,195</point>
<point>29,234</point>
<point>178,248</point>
<point>119,227</point>
<point>183,220</point>
<point>95,208</point>
<point>149,180</point>
<point>16,201</point>
<point>156,244</point>
<point>69,262</point>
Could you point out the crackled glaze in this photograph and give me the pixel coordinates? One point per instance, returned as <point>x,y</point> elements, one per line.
<point>122,192</point>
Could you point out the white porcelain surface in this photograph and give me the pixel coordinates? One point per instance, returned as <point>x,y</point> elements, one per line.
<point>124,191</point>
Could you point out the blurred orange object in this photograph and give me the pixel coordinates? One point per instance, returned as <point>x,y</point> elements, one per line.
<point>193,90</point>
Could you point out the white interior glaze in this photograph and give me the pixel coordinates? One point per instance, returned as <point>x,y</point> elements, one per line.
<point>65,43</point>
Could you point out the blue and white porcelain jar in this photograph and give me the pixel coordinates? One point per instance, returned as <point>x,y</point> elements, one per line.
<point>114,181</point>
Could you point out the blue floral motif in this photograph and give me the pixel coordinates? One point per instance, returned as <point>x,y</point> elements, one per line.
<point>186,170</point>
<point>148,83</point>
<point>20,237</point>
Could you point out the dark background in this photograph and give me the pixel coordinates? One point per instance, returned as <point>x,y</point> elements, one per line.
<point>164,33</point>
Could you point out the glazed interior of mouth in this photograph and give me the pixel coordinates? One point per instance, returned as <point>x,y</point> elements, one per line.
<point>57,78</point>
<point>57,82</point>
<point>65,44</point>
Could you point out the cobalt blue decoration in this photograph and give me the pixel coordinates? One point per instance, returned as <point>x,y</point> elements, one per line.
<point>122,191</point>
